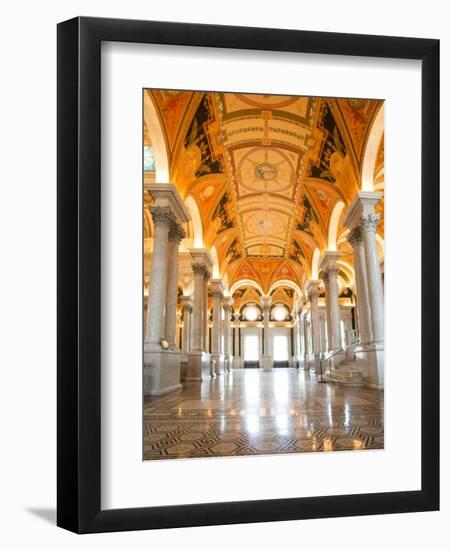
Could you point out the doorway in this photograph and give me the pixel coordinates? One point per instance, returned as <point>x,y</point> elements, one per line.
<point>251,351</point>
<point>280,350</point>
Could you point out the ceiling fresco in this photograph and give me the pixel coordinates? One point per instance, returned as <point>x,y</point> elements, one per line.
<point>265,171</point>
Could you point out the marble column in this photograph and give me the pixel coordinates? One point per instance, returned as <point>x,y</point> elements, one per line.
<point>162,367</point>
<point>305,342</point>
<point>330,268</point>
<point>267,360</point>
<point>205,313</point>
<point>178,329</point>
<point>327,313</point>
<point>361,215</point>
<point>323,329</point>
<point>186,302</point>
<point>199,361</point>
<point>374,282</point>
<point>197,311</point>
<point>228,341</point>
<point>176,234</point>
<point>312,288</point>
<point>237,357</point>
<point>355,238</point>
<point>163,219</point>
<point>300,337</point>
<point>216,334</point>
<point>295,327</point>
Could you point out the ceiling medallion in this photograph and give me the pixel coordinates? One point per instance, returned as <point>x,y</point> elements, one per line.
<point>266,171</point>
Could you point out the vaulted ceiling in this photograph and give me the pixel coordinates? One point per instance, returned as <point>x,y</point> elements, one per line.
<point>265,172</point>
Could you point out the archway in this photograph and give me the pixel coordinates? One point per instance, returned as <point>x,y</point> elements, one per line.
<point>288,283</point>
<point>333,225</point>
<point>245,282</point>
<point>315,264</point>
<point>371,151</point>
<point>162,172</point>
<point>196,221</point>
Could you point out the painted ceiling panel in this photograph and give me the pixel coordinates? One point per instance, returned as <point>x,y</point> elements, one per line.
<point>266,172</point>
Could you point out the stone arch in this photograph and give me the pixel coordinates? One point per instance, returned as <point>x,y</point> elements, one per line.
<point>288,283</point>
<point>333,225</point>
<point>162,172</point>
<point>215,260</point>
<point>348,270</point>
<point>371,151</point>
<point>315,264</point>
<point>245,282</point>
<point>196,224</point>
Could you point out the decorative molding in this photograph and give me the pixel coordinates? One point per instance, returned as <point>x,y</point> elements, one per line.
<point>369,223</point>
<point>355,237</point>
<point>177,233</point>
<point>199,269</point>
<point>162,215</point>
<point>332,271</point>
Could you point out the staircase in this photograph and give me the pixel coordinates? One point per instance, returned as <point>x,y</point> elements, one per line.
<point>347,373</point>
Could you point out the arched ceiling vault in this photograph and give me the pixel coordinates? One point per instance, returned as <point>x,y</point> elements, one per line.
<point>266,173</point>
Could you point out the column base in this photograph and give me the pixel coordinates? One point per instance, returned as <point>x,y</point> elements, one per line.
<point>183,367</point>
<point>218,360</point>
<point>199,366</point>
<point>305,363</point>
<point>228,363</point>
<point>236,362</point>
<point>372,361</point>
<point>267,363</point>
<point>161,371</point>
<point>314,363</point>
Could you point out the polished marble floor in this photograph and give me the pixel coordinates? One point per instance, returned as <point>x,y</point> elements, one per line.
<point>252,412</point>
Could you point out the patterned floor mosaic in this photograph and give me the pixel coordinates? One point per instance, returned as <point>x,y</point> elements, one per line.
<point>251,412</point>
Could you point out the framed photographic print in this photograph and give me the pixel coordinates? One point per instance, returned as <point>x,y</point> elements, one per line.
<point>248,259</point>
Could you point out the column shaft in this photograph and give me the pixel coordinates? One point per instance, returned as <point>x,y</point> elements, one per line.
<point>187,308</point>
<point>333,299</point>
<point>228,339</point>
<point>328,312</point>
<point>355,238</point>
<point>267,346</point>
<point>162,218</point>
<point>315,322</point>
<point>236,360</point>
<point>197,311</point>
<point>374,281</point>
<point>205,320</point>
<point>305,342</point>
<point>267,360</point>
<point>176,234</point>
<point>216,335</point>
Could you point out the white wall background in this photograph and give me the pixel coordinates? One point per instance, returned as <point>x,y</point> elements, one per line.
<point>28,274</point>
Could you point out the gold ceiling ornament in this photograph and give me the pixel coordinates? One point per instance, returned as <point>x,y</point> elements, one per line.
<point>281,161</point>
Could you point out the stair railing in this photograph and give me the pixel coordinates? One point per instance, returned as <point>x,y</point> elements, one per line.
<point>328,355</point>
<point>325,357</point>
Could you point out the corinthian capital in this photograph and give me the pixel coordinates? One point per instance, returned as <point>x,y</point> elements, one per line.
<point>355,237</point>
<point>186,302</point>
<point>312,289</point>
<point>217,294</point>
<point>177,233</point>
<point>332,272</point>
<point>369,223</point>
<point>162,215</point>
<point>199,269</point>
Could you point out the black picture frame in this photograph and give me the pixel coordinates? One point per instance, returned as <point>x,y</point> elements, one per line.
<point>79,281</point>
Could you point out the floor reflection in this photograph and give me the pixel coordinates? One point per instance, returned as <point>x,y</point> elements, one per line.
<point>252,412</point>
